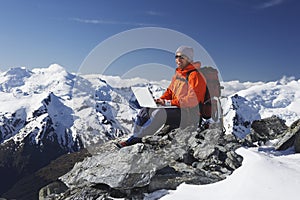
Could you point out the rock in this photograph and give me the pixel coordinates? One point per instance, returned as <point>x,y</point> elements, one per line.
<point>290,138</point>
<point>297,142</point>
<point>167,159</point>
<point>53,190</point>
<point>244,112</point>
<point>162,161</point>
<point>266,129</point>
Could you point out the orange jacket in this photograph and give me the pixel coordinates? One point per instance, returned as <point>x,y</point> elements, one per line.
<point>183,94</point>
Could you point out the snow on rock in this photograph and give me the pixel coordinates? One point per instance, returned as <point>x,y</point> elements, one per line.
<point>240,115</point>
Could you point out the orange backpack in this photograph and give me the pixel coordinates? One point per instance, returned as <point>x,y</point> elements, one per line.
<point>211,107</point>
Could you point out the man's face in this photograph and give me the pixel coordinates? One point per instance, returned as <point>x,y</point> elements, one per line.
<point>181,61</point>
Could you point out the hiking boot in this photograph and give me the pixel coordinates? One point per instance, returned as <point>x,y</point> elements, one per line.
<point>133,140</point>
<point>121,144</point>
<point>130,141</point>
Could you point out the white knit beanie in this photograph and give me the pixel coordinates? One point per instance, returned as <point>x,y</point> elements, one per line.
<point>186,51</point>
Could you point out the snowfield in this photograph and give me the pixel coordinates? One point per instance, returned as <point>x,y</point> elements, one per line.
<point>263,175</point>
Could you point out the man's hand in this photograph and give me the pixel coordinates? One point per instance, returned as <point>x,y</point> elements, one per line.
<point>160,101</point>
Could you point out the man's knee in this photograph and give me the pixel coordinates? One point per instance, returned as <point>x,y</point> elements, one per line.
<point>159,114</point>
<point>142,116</point>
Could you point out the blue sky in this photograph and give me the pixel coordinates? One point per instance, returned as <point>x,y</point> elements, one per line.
<point>249,40</point>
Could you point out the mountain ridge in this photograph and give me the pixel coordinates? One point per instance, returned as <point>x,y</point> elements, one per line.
<point>49,112</point>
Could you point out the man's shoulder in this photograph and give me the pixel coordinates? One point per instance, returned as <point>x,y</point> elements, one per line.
<point>195,75</point>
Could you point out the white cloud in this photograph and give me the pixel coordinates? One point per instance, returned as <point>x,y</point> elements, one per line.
<point>270,3</point>
<point>93,21</point>
<point>154,13</point>
<point>255,4</point>
<point>110,22</point>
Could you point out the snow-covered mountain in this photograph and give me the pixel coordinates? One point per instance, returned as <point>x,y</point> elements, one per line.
<point>84,106</point>
<point>35,102</point>
<point>245,102</point>
<point>51,111</point>
<point>47,112</point>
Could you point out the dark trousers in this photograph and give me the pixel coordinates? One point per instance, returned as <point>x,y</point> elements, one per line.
<point>149,120</point>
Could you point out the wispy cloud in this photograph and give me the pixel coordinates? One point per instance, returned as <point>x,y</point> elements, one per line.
<point>154,13</point>
<point>93,21</point>
<point>255,4</point>
<point>269,3</point>
<point>110,22</point>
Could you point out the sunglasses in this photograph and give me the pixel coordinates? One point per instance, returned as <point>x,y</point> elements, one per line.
<point>180,57</point>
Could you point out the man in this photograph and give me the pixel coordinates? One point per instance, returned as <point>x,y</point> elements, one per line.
<point>185,94</point>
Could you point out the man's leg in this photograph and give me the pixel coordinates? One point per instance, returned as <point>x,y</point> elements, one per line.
<point>147,122</point>
<point>157,119</point>
<point>173,117</point>
<point>142,117</point>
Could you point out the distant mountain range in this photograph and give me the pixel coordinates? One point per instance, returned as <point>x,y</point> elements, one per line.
<point>49,112</point>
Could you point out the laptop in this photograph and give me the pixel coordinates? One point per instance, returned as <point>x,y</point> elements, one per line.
<point>145,98</point>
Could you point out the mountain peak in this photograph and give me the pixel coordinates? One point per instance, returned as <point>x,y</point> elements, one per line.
<point>18,72</point>
<point>14,77</point>
<point>56,68</point>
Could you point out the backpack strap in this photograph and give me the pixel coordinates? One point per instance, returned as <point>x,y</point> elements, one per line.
<point>207,95</point>
<point>207,99</point>
<point>188,74</point>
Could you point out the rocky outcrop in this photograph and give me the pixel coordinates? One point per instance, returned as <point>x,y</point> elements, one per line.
<point>163,161</point>
<point>291,138</point>
<point>160,162</point>
<point>274,128</point>
<point>52,190</point>
<point>267,129</point>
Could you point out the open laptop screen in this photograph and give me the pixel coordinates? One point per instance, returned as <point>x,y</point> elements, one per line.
<point>145,98</point>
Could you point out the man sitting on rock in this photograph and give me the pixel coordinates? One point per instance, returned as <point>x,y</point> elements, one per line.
<point>184,94</point>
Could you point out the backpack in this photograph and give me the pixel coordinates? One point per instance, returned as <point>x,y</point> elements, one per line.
<point>211,107</point>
